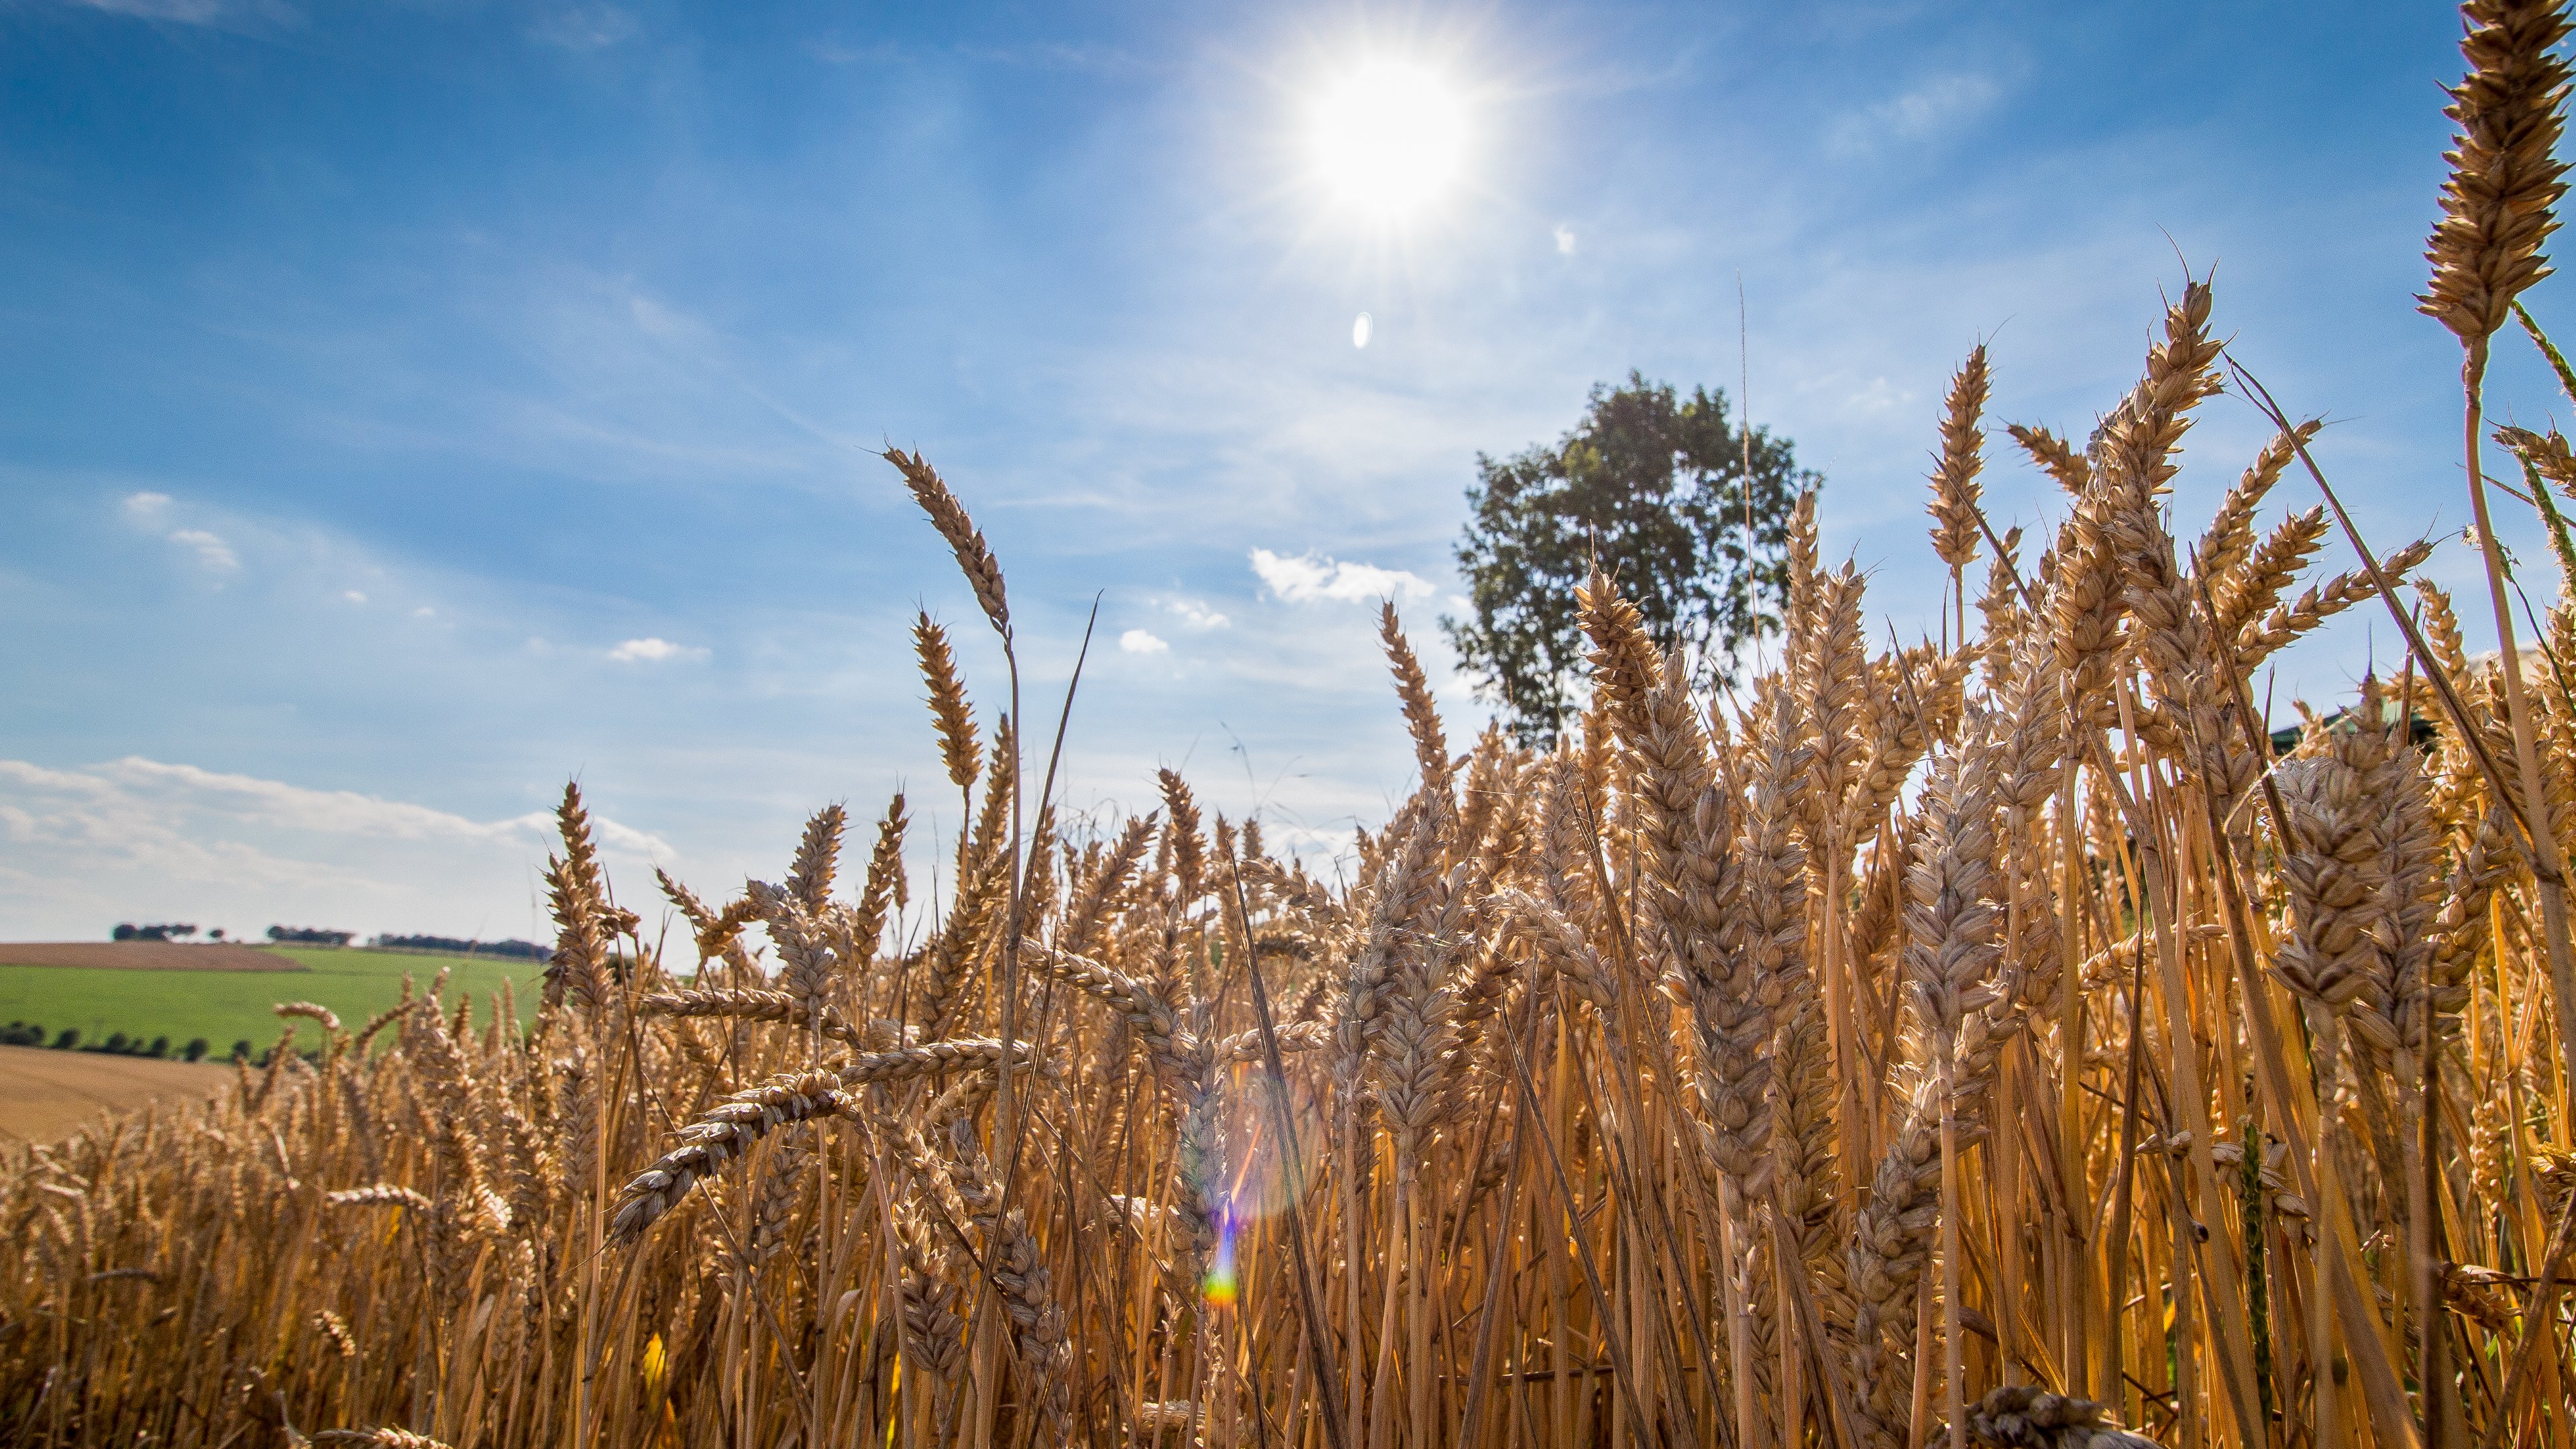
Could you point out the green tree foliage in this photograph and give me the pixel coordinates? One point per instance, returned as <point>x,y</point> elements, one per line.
<point>127,931</point>
<point>308,936</point>
<point>1653,485</point>
<point>514,949</point>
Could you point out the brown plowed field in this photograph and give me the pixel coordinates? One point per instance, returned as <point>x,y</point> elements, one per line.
<point>45,1095</point>
<point>144,956</point>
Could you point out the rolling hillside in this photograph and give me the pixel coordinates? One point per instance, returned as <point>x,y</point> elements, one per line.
<point>47,1095</point>
<point>232,1005</point>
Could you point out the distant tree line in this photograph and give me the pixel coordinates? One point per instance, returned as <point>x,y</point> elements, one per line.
<point>320,936</point>
<point>515,949</point>
<point>309,936</point>
<point>118,1044</point>
<point>127,931</point>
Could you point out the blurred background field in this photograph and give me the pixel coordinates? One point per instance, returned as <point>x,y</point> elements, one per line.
<point>49,1095</point>
<point>224,1007</point>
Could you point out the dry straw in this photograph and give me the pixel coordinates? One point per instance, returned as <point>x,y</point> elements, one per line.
<point>1984,1039</point>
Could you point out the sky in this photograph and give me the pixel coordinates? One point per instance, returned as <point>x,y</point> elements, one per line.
<point>408,407</point>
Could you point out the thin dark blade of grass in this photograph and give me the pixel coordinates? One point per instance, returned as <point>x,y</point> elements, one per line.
<point>2405,622</point>
<point>2158,919</point>
<point>1607,1319</point>
<point>1484,1139</point>
<point>1319,1346</point>
<point>2441,1399</point>
<point>1010,1116</point>
<point>2557,363</point>
<point>2122,1204</point>
<point>1481,1373</point>
<point>634,1052</point>
<point>2561,546</point>
<point>1827,1371</point>
<point>2539,1326</point>
<point>1627,1190</point>
<point>2546,872</point>
<point>1663,1233</point>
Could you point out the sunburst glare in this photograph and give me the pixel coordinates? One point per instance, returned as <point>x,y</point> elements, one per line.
<point>1389,137</point>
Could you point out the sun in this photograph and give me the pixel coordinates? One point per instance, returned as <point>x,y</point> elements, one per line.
<point>1389,138</point>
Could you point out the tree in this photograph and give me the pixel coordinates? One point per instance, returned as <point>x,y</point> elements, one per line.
<point>131,932</point>
<point>195,1050</point>
<point>1652,485</point>
<point>308,936</point>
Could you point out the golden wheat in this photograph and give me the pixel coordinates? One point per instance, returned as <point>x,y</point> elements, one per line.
<point>1984,1039</point>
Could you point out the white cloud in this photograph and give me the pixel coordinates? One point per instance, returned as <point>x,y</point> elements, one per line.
<point>1198,615</point>
<point>151,511</point>
<point>1307,578</point>
<point>1137,641</point>
<point>89,845</point>
<point>329,812</point>
<point>424,612</point>
<point>1564,240</point>
<point>212,551</point>
<point>354,596</point>
<point>654,651</point>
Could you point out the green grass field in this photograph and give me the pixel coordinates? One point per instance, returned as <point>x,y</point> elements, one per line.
<point>229,1006</point>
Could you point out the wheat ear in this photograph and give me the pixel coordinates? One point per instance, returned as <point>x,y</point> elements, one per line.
<point>974,556</point>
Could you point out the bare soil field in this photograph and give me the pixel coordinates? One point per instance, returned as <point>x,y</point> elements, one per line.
<point>46,1095</point>
<point>145,956</point>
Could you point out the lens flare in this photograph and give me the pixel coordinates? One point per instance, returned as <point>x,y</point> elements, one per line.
<point>1220,1289</point>
<point>1389,138</point>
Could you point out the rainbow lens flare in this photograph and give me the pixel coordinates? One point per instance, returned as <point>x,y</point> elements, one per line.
<point>1220,1287</point>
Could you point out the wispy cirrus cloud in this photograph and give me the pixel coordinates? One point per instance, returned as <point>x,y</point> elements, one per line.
<point>584,27</point>
<point>1923,110</point>
<point>327,812</point>
<point>83,847</point>
<point>191,12</point>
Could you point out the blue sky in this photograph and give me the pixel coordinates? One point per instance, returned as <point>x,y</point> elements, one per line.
<point>407,406</point>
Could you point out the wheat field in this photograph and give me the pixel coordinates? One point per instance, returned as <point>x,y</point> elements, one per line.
<point>1990,1040</point>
